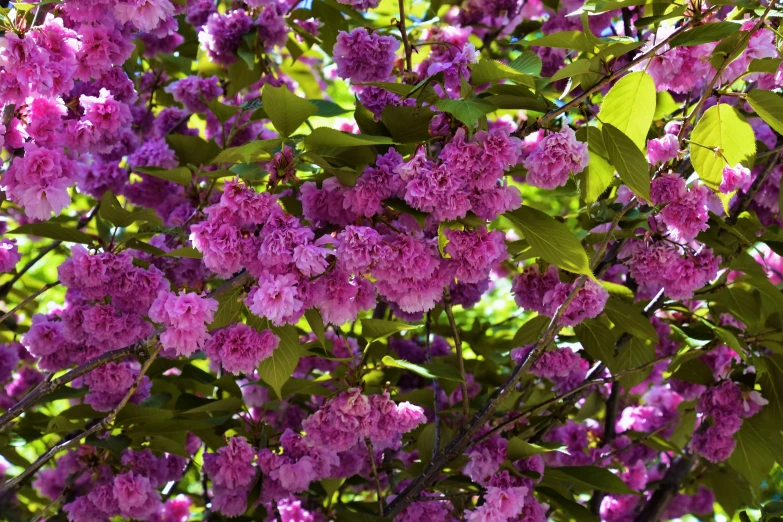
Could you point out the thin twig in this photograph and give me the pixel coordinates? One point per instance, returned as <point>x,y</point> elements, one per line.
<point>83,222</point>
<point>100,426</point>
<point>46,387</point>
<point>745,199</point>
<point>458,445</point>
<point>726,61</point>
<point>435,387</point>
<point>405,43</point>
<point>458,347</point>
<point>27,300</point>
<point>552,115</point>
<point>375,475</point>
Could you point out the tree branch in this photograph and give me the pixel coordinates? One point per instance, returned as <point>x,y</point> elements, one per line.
<point>48,386</point>
<point>458,346</point>
<point>83,222</point>
<point>461,442</point>
<point>550,116</point>
<point>27,300</point>
<point>100,426</point>
<point>405,42</point>
<point>745,199</point>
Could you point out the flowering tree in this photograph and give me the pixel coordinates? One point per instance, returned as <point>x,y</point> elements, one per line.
<point>367,260</point>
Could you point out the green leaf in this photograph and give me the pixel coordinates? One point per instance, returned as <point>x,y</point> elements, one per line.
<point>519,449</point>
<point>377,329</point>
<point>564,40</point>
<point>527,63</point>
<point>229,308</point>
<point>629,106</point>
<point>629,161</point>
<point>328,109</point>
<point>576,510</point>
<point>325,137</point>
<point>316,323</point>
<point>222,111</point>
<point>596,339</point>
<point>187,252</point>
<point>635,354</point>
<point>277,369</point>
<point>731,490</point>
<point>769,106</point>
<point>180,175</point>
<point>752,458</point>
<point>112,211</point>
<point>590,477</point>
<point>192,149</point>
<point>286,110</point>
<point>664,105</point>
<point>490,71</point>
<point>529,332</point>
<point>599,173</point>
<point>408,124</point>
<point>231,404</point>
<point>252,152</point>
<point>467,111</point>
<point>52,231</point>
<point>766,65</point>
<point>428,370</point>
<point>573,69</point>
<point>550,239</point>
<point>629,320</point>
<point>721,127</point>
<point>705,34</point>
<point>772,383</point>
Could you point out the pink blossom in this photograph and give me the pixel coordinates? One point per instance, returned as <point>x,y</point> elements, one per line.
<point>661,150</point>
<point>554,158</point>
<point>239,348</point>
<point>185,317</point>
<point>734,178</point>
<point>278,298</point>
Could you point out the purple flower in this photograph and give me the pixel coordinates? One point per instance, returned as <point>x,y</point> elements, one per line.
<point>554,158</point>
<point>359,247</point>
<point>193,92</point>
<point>531,286</point>
<point>39,181</point>
<point>239,348</point>
<point>474,253</point>
<point>364,57</point>
<point>9,255</point>
<point>661,150</point>
<point>734,178</point>
<point>135,496</point>
<point>667,188</point>
<point>185,317</point>
<point>278,298</point>
<point>222,34</point>
<point>232,465</point>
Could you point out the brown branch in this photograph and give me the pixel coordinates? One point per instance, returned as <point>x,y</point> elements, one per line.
<point>458,347</point>
<point>461,442</point>
<point>83,222</point>
<point>550,116</point>
<point>48,386</point>
<point>665,492</point>
<point>745,199</point>
<point>726,61</point>
<point>105,423</point>
<point>378,488</point>
<point>27,300</point>
<point>405,42</point>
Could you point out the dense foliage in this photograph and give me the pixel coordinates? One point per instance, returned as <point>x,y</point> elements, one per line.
<point>365,260</point>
